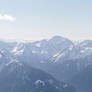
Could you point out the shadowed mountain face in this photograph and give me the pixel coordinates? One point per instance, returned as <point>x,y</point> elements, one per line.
<point>19,77</point>
<point>57,56</point>
<point>83,80</point>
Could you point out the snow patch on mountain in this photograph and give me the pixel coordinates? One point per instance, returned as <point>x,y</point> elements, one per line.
<point>39,82</point>
<point>19,49</point>
<point>59,56</point>
<point>44,52</point>
<point>65,85</point>
<point>71,47</point>
<point>33,51</point>
<point>0,56</point>
<point>38,44</point>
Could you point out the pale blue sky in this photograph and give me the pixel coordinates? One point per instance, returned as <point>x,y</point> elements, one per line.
<point>38,19</point>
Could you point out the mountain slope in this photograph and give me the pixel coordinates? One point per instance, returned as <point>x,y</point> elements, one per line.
<point>19,77</point>
<point>83,80</point>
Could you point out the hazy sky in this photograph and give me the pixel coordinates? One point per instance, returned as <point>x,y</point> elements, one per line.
<point>38,19</point>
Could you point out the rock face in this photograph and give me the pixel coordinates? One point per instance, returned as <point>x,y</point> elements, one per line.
<point>19,77</point>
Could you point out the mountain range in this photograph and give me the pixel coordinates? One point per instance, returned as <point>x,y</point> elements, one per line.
<point>59,57</point>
